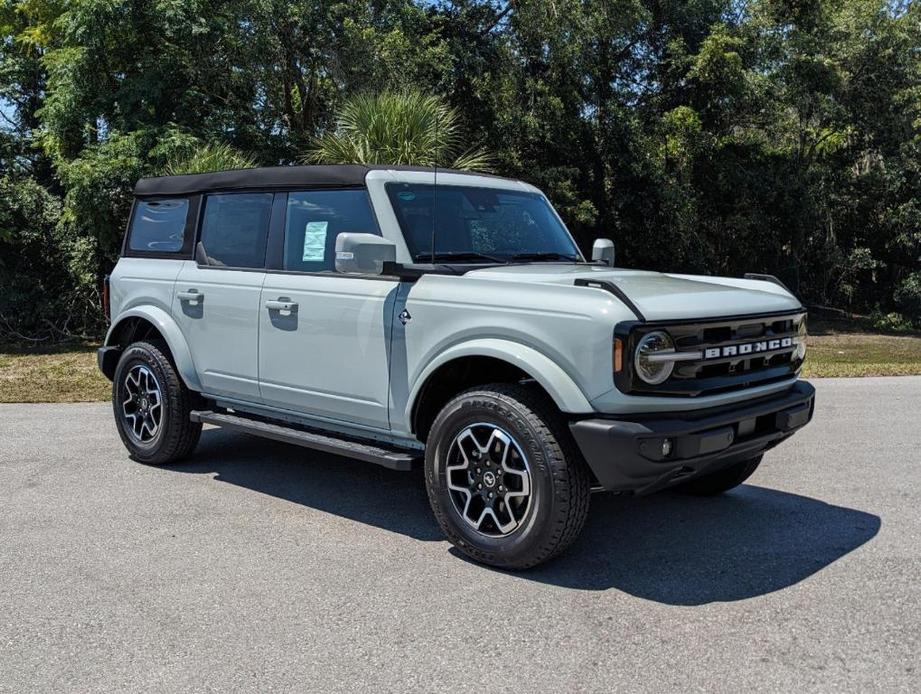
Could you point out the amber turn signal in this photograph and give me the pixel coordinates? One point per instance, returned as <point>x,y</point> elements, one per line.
<point>618,355</point>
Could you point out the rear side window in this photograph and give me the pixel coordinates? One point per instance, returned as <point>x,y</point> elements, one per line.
<point>234,229</point>
<point>315,218</point>
<point>158,226</point>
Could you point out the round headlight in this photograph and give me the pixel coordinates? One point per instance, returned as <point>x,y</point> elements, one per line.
<point>653,372</point>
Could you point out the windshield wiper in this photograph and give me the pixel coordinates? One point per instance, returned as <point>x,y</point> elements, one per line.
<point>457,255</point>
<point>545,256</point>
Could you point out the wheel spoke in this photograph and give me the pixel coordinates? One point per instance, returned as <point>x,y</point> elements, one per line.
<point>478,476</point>
<point>142,403</point>
<point>525,479</point>
<point>500,439</point>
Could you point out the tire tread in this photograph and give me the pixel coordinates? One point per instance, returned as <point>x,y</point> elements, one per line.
<point>181,434</point>
<point>570,473</point>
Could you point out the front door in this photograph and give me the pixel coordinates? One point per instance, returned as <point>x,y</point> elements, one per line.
<point>216,303</point>
<point>324,337</point>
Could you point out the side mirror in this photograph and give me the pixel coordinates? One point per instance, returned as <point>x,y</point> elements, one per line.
<point>603,251</point>
<point>364,253</point>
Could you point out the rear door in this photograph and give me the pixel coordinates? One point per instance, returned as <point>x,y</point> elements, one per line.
<point>324,336</point>
<point>216,297</point>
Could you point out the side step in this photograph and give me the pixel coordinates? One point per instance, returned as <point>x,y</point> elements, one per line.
<point>388,457</point>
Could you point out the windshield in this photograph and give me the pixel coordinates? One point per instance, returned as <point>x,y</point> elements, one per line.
<point>479,225</point>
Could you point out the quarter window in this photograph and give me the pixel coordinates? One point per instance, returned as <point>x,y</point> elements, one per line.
<point>158,226</point>
<point>234,229</point>
<point>313,221</point>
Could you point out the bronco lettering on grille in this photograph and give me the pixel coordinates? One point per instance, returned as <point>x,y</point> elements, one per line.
<point>748,348</point>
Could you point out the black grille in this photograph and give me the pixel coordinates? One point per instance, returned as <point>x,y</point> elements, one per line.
<point>765,354</point>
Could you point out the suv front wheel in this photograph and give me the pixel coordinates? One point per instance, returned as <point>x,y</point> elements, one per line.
<point>152,405</point>
<point>505,480</point>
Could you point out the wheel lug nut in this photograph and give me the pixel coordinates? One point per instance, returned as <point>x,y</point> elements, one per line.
<point>479,486</point>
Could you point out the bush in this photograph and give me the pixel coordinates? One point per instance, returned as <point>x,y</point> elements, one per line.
<point>908,298</point>
<point>35,281</point>
<point>891,322</point>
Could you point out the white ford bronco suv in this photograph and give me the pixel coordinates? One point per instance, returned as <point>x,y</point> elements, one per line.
<point>395,314</point>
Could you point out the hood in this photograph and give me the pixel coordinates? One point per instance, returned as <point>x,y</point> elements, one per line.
<point>660,296</point>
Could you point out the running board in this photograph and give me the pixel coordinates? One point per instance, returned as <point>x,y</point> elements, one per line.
<point>370,453</point>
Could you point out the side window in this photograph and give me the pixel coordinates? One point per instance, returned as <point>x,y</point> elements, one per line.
<point>313,221</point>
<point>234,229</point>
<point>158,226</point>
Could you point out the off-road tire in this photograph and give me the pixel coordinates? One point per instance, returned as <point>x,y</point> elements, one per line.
<point>560,480</point>
<point>723,480</point>
<point>177,436</point>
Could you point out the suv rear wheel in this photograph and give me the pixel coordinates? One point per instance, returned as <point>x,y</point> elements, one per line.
<point>504,478</point>
<point>152,405</point>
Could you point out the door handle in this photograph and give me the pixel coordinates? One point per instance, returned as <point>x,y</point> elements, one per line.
<point>281,305</point>
<point>193,296</point>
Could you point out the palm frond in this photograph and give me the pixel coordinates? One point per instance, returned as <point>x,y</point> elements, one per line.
<point>397,128</point>
<point>211,157</point>
<point>475,160</point>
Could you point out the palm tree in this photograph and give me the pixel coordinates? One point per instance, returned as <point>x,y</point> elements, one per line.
<point>398,128</point>
<point>210,157</point>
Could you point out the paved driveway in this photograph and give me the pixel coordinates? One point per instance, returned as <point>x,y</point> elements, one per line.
<point>256,566</point>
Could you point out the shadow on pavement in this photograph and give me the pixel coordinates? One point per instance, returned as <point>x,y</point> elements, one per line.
<point>362,492</point>
<point>683,550</point>
<point>667,548</point>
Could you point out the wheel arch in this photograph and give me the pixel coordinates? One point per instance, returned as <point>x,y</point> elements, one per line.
<point>487,361</point>
<point>153,322</point>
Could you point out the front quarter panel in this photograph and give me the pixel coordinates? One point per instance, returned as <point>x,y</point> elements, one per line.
<point>560,335</point>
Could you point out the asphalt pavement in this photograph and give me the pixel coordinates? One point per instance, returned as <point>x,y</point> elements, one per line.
<point>261,567</point>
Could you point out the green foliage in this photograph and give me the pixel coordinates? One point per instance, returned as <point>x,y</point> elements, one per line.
<point>714,136</point>
<point>35,280</point>
<point>908,298</point>
<point>215,157</point>
<point>892,322</point>
<point>398,128</point>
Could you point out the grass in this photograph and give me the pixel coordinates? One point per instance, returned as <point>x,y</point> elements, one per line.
<point>68,373</point>
<point>835,349</point>
<point>58,373</point>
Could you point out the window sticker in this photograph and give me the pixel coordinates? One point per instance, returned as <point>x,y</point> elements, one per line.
<point>315,241</point>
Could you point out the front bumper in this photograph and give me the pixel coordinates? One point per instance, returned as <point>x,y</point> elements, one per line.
<point>631,453</point>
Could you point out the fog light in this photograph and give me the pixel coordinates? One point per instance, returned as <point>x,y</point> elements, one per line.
<point>666,447</point>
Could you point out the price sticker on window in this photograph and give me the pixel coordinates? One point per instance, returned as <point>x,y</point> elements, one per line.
<point>315,241</point>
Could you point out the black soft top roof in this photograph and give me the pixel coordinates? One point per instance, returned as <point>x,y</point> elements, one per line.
<point>269,177</point>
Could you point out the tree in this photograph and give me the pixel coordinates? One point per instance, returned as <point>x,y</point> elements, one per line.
<point>207,158</point>
<point>715,136</point>
<point>398,128</point>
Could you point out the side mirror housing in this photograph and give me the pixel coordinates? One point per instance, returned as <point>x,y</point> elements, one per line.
<point>363,253</point>
<point>603,251</point>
